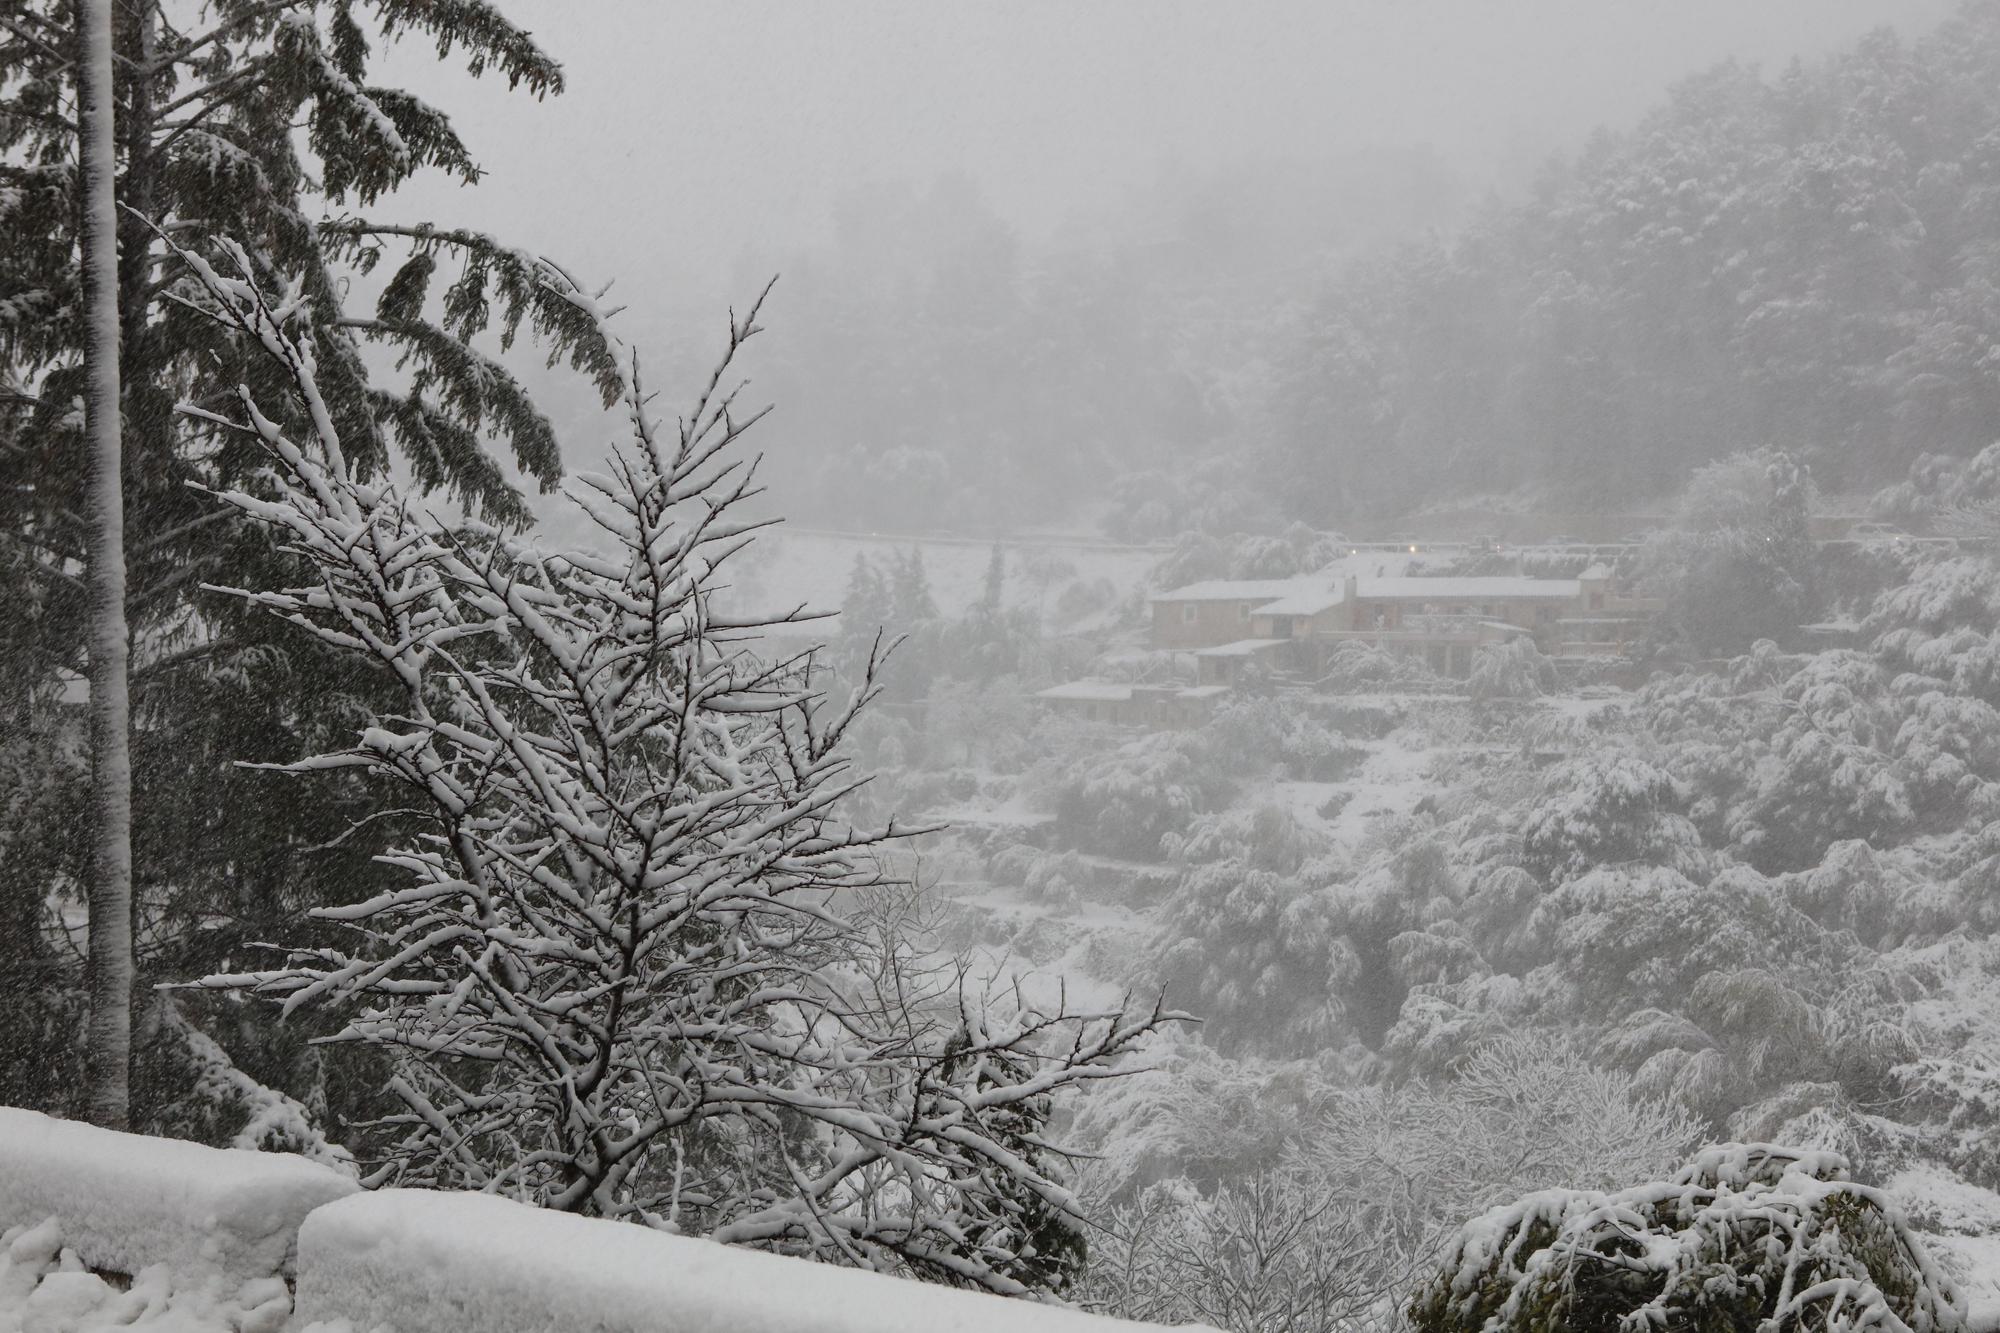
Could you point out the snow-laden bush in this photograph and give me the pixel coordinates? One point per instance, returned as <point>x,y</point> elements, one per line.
<point>1516,669</point>
<point>1122,802</point>
<point>1261,1195</point>
<point>1753,1237</point>
<point>1273,1252</point>
<point>1608,806</point>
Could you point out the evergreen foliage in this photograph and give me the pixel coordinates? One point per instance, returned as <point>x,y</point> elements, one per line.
<point>1746,1237</point>
<point>1803,261</point>
<point>206,101</point>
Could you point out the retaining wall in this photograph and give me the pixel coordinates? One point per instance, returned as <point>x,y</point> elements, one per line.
<point>211,1238</point>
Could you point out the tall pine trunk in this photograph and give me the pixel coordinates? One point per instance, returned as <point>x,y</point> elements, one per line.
<point>110,1042</point>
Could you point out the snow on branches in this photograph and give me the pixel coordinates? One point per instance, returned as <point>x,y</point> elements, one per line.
<point>627,974</point>
<point>1745,1236</point>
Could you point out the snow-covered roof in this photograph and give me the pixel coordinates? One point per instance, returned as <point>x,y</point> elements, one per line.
<point>1305,602</point>
<point>1469,589</point>
<point>1202,691</point>
<point>1096,691</point>
<point>1229,590</point>
<point>1240,648</point>
<point>1310,594</point>
<point>1600,570</point>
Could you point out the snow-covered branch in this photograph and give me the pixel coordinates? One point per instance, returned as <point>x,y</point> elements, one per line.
<point>621,976</point>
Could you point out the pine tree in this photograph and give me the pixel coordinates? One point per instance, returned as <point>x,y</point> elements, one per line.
<point>206,102</point>
<point>993,590</point>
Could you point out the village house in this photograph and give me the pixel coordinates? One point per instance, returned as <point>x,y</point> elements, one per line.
<point>1296,623</point>
<point>1230,627</point>
<point>1610,618</point>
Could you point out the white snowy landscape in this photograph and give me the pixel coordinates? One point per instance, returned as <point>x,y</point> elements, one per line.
<point>1310,668</point>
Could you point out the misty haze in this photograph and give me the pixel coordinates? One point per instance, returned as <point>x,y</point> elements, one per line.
<point>1277,667</point>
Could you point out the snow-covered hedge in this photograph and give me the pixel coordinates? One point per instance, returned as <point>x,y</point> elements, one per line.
<point>460,1263</point>
<point>123,1202</point>
<point>1748,1236</point>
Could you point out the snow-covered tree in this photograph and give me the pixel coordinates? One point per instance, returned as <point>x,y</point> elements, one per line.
<point>1515,669</point>
<point>622,975</point>
<point>1736,565</point>
<point>267,122</point>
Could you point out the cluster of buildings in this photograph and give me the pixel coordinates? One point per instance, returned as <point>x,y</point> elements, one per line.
<point>1294,627</point>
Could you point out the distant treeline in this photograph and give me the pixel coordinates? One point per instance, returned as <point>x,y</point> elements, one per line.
<point>1808,260</point>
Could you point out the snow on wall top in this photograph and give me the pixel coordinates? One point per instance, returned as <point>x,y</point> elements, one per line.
<point>125,1201</point>
<point>1102,691</point>
<point>476,1263</point>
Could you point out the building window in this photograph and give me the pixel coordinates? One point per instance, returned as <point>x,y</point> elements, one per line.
<point>1243,610</point>
<point>1187,613</point>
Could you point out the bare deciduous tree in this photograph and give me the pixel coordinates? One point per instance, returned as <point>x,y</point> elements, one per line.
<point>620,979</point>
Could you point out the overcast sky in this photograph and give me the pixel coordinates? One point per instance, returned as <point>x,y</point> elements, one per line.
<point>697,139</point>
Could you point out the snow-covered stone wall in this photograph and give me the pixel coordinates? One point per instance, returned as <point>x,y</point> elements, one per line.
<point>125,1202</point>
<point>208,1237</point>
<point>456,1263</point>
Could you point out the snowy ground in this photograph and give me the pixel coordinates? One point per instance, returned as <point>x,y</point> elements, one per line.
<point>1960,1220</point>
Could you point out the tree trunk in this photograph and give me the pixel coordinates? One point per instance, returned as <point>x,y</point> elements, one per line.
<point>109,1053</point>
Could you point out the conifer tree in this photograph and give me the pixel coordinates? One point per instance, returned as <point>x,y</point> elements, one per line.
<point>206,101</point>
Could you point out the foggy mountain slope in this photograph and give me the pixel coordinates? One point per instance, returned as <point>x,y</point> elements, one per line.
<point>1802,258</point>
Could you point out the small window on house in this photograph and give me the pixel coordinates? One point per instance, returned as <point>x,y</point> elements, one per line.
<point>1187,613</point>
<point>1243,610</point>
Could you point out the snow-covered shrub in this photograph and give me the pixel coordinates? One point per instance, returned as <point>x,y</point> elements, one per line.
<point>1737,564</point>
<point>1121,802</point>
<point>1255,735</point>
<point>1648,934</point>
<point>1746,1237</point>
<point>1241,1156</point>
<point>623,976</point>
<point>1272,1252</point>
<point>1608,806</point>
<point>1358,667</point>
<point>1516,669</point>
<point>1522,1110</point>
